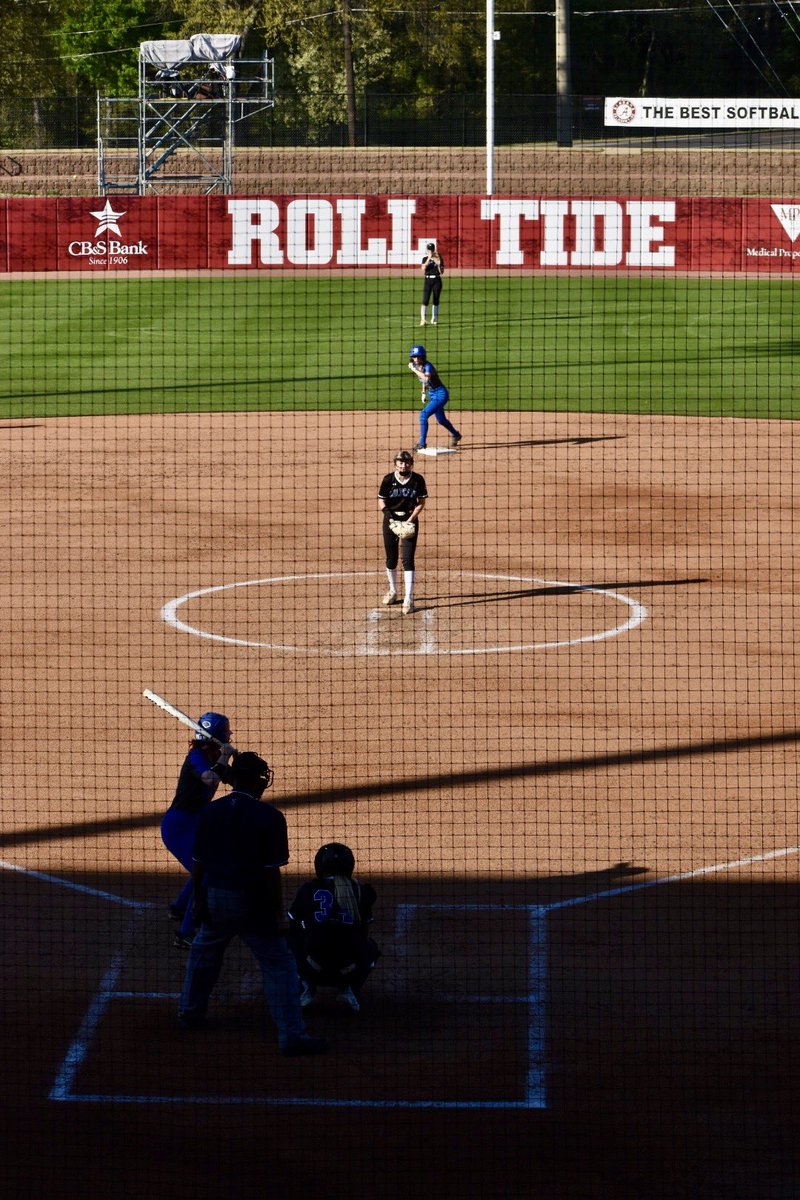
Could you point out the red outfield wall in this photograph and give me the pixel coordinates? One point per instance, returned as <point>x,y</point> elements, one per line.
<point>328,232</point>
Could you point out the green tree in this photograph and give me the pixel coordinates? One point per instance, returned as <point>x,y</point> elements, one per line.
<point>99,40</point>
<point>30,64</point>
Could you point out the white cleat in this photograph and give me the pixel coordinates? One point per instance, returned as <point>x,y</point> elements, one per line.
<point>408,607</point>
<point>390,598</point>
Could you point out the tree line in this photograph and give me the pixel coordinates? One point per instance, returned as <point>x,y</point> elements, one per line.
<point>327,49</point>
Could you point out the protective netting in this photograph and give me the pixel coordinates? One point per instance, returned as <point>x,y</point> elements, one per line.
<point>556,727</point>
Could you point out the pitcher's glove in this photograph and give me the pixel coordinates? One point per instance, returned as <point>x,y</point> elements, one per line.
<point>402,529</point>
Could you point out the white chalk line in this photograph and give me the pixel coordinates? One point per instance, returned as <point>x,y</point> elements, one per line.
<point>71,886</point>
<point>536,1087</point>
<point>426,645</point>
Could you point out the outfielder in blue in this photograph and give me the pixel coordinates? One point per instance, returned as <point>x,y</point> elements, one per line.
<point>434,397</point>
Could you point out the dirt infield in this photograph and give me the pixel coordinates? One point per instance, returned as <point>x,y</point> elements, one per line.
<point>608,169</point>
<point>571,775</point>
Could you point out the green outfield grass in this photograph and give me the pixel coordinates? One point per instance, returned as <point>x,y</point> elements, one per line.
<point>610,344</point>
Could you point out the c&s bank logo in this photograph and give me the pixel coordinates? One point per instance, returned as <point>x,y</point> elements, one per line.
<point>107,250</point>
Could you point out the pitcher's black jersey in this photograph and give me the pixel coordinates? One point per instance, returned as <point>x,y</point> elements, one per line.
<point>401,498</point>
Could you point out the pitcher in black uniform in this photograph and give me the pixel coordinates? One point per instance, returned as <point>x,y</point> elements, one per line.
<point>401,496</point>
<point>432,271</point>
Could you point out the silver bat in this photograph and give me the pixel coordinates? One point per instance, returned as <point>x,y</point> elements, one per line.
<point>183,717</point>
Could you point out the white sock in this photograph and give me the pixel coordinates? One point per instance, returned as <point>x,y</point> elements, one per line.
<point>392,577</point>
<point>408,583</point>
<point>436,312</point>
<point>422,312</point>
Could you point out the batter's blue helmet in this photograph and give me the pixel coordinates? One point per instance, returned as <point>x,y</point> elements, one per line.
<point>417,352</point>
<point>214,725</point>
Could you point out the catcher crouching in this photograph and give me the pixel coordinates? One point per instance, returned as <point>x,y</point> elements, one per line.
<point>401,498</point>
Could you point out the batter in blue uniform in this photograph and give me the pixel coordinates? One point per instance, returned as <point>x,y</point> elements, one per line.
<point>204,768</point>
<point>434,397</point>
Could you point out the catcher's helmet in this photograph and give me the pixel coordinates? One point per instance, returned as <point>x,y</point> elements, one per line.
<point>214,725</point>
<point>334,859</point>
<point>417,352</point>
<point>251,772</point>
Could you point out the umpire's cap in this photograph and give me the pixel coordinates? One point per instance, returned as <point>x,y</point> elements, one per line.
<point>251,773</point>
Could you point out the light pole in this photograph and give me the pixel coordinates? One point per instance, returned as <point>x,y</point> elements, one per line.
<point>492,36</point>
<point>563,75</point>
<point>349,73</point>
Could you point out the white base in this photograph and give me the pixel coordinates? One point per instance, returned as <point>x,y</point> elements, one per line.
<point>434,451</point>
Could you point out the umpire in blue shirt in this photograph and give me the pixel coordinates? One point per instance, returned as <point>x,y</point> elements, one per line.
<point>240,847</point>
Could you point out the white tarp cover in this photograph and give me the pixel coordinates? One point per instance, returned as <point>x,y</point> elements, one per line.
<point>215,47</point>
<point>201,47</point>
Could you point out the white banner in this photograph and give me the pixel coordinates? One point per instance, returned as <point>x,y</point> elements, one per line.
<point>671,113</point>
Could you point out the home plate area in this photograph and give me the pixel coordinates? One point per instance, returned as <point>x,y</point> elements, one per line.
<point>444,1023</point>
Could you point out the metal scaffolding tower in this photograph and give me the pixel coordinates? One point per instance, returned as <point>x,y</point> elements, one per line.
<point>178,134</point>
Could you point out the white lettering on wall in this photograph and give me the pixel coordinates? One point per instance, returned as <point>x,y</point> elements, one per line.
<point>309,233</point>
<point>599,232</point>
<point>646,237</point>
<point>402,253</point>
<point>510,213</point>
<point>352,253</point>
<point>254,221</point>
<point>553,253</point>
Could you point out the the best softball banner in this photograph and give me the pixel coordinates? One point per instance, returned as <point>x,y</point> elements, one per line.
<point>346,233</point>
<point>671,113</point>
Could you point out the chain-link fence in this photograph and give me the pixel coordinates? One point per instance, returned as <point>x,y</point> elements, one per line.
<point>70,122</point>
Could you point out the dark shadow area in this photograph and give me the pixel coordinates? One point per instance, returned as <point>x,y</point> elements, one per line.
<point>570,589</point>
<point>656,1027</point>
<point>568,441</point>
<point>448,782</point>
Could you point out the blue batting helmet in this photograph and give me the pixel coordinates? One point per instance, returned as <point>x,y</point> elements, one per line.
<point>214,725</point>
<point>417,352</point>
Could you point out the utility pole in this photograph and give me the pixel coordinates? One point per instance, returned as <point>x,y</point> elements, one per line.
<point>563,75</point>
<point>491,38</point>
<point>350,80</point>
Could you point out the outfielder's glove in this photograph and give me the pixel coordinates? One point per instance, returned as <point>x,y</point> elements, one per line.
<point>402,529</point>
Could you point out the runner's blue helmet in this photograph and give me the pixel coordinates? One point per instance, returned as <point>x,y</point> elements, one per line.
<point>214,725</point>
<point>417,352</point>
